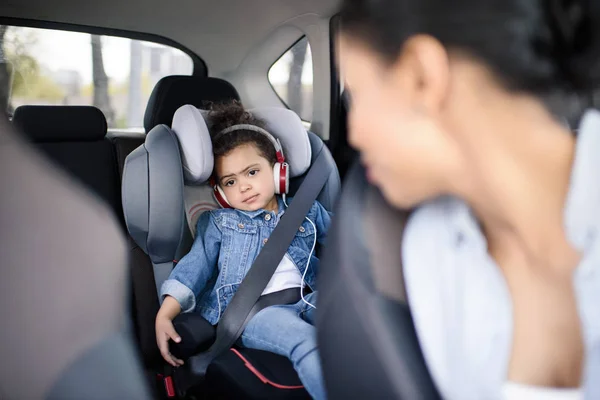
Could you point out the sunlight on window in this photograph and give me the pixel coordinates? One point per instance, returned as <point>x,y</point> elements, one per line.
<point>117,75</point>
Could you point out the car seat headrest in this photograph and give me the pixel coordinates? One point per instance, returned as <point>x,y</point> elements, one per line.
<point>61,123</point>
<point>192,129</point>
<point>171,92</point>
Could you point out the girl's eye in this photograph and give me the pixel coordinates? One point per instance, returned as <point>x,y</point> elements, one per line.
<point>253,172</point>
<point>230,183</point>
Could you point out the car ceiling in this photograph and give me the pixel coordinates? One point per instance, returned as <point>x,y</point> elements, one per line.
<point>220,32</point>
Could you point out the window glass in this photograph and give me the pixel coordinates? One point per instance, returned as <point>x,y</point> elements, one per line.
<point>115,74</point>
<point>292,79</point>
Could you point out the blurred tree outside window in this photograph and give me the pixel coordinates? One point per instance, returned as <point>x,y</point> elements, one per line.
<point>117,75</point>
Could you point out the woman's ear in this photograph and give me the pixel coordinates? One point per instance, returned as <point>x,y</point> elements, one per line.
<point>425,61</point>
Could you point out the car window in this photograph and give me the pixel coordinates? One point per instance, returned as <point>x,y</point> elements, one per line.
<point>291,76</point>
<point>115,74</point>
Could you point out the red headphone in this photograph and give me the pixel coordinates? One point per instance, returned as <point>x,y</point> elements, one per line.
<point>281,170</point>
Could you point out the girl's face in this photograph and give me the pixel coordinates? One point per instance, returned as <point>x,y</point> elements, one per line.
<point>246,177</point>
<point>406,151</point>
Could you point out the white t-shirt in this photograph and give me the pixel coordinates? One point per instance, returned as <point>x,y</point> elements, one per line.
<point>286,276</point>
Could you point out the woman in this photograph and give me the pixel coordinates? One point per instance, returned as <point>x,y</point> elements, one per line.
<point>457,108</point>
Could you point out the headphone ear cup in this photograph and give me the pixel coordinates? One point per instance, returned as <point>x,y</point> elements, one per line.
<point>281,178</point>
<point>285,171</point>
<point>220,197</point>
<point>276,171</point>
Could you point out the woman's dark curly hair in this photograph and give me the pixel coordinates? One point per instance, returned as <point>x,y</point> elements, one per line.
<point>232,113</point>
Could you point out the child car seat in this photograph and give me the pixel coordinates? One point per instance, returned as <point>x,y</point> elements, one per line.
<point>162,199</point>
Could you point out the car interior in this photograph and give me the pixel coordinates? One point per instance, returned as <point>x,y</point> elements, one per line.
<point>136,168</point>
<point>115,128</point>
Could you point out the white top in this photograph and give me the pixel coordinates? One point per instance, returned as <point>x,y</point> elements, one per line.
<point>286,276</point>
<point>517,391</point>
<point>459,299</point>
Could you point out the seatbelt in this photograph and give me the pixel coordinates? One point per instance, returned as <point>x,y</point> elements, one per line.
<point>244,304</point>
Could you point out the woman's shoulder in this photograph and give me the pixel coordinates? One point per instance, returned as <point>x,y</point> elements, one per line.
<point>453,286</point>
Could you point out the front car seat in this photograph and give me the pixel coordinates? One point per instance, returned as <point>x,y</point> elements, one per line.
<point>65,331</point>
<point>369,346</point>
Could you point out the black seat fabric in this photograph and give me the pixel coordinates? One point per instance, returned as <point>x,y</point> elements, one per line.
<point>74,138</point>
<point>125,144</point>
<point>271,377</point>
<point>369,346</point>
<point>65,334</point>
<point>172,92</point>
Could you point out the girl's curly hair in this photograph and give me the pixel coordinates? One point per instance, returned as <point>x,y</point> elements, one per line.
<point>232,113</point>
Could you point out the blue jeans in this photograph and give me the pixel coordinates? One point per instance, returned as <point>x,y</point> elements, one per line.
<point>288,330</point>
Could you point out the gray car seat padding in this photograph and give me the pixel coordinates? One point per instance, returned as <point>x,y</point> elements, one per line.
<point>64,280</point>
<point>152,195</point>
<point>85,380</point>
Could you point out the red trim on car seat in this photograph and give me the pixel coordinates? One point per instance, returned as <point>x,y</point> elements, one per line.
<point>260,376</point>
<point>169,387</point>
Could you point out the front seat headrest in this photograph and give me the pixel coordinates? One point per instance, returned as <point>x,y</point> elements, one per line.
<point>61,123</point>
<point>172,92</point>
<point>64,271</point>
<point>192,129</point>
<point>369,345</point>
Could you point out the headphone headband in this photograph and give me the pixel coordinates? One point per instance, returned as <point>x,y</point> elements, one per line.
<point>249,127</point>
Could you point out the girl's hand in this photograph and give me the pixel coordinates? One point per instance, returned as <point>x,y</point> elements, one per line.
<point>165,331</point>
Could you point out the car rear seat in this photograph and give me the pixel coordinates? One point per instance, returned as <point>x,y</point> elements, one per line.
<point>74,137</point>
<point>174,91</point>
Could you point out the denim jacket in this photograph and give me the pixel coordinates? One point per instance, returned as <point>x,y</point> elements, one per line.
<point>227,243</point>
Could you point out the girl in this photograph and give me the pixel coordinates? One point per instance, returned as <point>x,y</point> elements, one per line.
<point>457,108</point>
<point>228,241</point>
